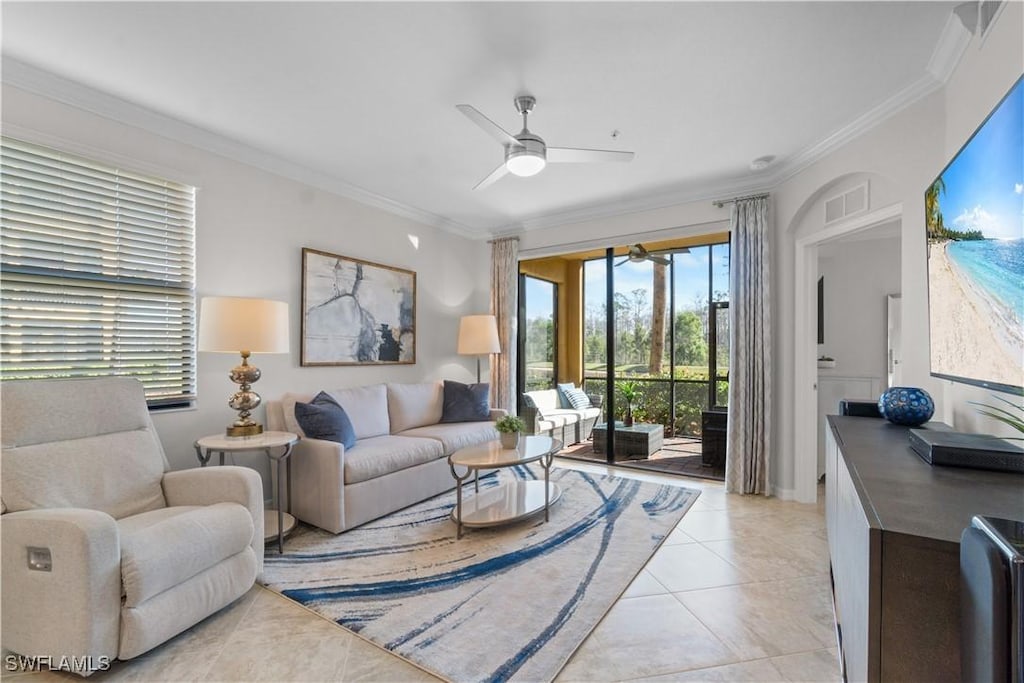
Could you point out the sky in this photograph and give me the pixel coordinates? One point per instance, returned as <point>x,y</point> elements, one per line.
<point>691,278</point>
<point>985,181</point>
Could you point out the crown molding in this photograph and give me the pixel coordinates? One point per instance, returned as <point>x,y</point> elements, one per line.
<point>945,57</point>
<point>947,54</point>
<point>72,93</point>
<point>952,44</point>
<point>661,200</point>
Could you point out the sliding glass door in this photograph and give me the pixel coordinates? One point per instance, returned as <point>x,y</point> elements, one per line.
<point>669,332</point>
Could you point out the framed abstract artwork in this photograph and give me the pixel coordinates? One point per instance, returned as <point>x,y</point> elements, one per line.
<point>356,312</point>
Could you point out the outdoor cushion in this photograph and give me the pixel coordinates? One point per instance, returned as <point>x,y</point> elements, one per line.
<point>584,414</point>
<point>381,455</point>
<point>544,399</point>
<point>563,394</point>
<point>577,398</point>
<point>457,434</point>
<point>568,417</point>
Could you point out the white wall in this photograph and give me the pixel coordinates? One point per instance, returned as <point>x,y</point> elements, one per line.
<point>251,226</point>
<point>900,157</point>
<point>857,280</point>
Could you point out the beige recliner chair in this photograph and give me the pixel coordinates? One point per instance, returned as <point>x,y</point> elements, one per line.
<point>106,554</point>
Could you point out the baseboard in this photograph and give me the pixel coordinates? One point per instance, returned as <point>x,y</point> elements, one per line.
<point>784,494</point>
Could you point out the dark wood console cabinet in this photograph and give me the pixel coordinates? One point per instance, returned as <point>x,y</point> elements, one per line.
<point>894,525</point>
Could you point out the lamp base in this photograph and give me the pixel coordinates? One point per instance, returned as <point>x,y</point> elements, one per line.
<point>247,430</point>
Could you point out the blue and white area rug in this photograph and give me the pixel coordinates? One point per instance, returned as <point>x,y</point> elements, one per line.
<point>509,602</point>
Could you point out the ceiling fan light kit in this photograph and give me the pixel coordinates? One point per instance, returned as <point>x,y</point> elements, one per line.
<point>638,254</point>
<point>526,154</point>
<point>526,160</point>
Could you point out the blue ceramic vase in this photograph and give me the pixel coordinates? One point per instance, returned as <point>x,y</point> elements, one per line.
<point>906,406</point>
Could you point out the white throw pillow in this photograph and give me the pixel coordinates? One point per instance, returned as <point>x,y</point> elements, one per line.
<point>415,405</point>
<point>367,408</point>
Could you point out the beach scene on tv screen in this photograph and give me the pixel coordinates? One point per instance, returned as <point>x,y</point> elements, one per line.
<point>975,224</point>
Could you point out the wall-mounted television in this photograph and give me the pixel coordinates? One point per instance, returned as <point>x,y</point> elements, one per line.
<point>975,231</point>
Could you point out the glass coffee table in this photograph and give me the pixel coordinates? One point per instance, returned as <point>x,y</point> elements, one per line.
<point>511,501</point>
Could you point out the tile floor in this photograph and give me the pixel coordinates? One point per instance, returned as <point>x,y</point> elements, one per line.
<point>738,592</point>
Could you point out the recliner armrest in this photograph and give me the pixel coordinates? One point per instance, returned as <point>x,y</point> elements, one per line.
<point>72,610</point>
<point>225,484</point>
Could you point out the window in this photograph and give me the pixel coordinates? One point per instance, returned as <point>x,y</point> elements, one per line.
<point>538,303</point>
<point>98,273</point>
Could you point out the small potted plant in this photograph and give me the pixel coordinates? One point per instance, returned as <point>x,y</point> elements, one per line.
<point>509,428</point>
<point>630,391</point>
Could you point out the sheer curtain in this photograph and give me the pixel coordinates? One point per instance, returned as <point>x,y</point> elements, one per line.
<point>750,366</point>
<point>505,307</point>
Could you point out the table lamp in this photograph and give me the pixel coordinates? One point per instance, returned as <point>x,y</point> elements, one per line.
<point>245,326</point>
<point>478,335</point>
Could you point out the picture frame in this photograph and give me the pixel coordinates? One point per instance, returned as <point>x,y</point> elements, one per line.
<point>356,312</point>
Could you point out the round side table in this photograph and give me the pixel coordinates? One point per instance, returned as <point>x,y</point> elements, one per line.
<point>276,523</point>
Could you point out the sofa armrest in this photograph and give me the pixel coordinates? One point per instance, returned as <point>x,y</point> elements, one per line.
<point>498,413</point>
<point>226,484</point>
<point>74,608</point>
<point>531,416</point>
<point>318,483</point>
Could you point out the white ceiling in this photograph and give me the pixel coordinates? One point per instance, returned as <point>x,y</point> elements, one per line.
<point>360,97</point>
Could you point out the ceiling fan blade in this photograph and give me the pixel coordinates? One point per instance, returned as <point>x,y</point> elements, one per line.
<point>657,259</point>
<point>570,155</point>
<point>674,250</point>
<point>488,126</point>
<point>622,261</point>
<point>492,177</point>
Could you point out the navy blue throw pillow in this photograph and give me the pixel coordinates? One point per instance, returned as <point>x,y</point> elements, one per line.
<point>323,418</point>
<point>466,402</point>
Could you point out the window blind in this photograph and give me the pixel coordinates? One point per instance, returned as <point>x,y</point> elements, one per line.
<point>98,272</point>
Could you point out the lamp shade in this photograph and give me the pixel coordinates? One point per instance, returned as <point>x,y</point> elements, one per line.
<point>235,324</point>
<point>478,334</point>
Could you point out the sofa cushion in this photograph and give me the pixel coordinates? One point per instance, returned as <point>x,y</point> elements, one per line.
<point>457,434</point>
<point>567,416</point>
<point>414,405</point>
<point>323,418</point>
<point>381,455</point>
<point>162,548</point>
<point>466,402</point>
<point>544,399</point>
<point>367,408</point>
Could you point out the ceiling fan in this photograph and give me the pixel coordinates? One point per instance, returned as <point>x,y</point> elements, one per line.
<point>526,154</point>
<point>638,254</point>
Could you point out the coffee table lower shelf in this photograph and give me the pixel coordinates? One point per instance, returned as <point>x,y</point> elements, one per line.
<point>506,503</point>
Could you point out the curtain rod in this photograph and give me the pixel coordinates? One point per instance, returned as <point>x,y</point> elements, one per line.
<point>722,202</point>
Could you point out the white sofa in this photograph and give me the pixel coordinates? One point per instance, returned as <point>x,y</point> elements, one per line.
<point>400,456</point>
<point>543,413</point>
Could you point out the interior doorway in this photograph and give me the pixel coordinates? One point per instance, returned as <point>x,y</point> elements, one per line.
<point>807,351</point>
